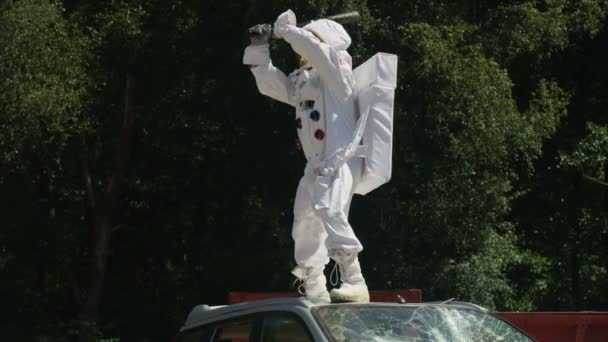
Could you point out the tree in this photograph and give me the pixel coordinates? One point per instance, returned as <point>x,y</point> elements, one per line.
<point>42,95</point>
<point>137,181</point>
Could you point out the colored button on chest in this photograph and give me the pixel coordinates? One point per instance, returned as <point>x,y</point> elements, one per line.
<point>319,134</point>
<point>307,104</point>
<point>315,115</point>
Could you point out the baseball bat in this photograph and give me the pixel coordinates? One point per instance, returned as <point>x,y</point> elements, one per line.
<point>341,18</point>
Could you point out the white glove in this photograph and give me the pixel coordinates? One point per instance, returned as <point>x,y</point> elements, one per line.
<point>259,34</point>
<point>286,19</point>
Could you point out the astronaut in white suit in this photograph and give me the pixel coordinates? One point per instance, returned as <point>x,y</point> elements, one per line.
<point>322,92</point>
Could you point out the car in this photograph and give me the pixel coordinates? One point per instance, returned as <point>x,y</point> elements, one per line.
<point>299,320</point>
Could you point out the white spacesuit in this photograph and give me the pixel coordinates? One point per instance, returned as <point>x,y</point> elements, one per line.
<point>322,91</point>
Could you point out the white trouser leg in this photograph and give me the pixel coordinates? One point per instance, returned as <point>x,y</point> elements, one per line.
<point>310,252</point>
<point>320,224</point>
<point>320,218</point>
<point>308,232</point>
<point>334,212</point>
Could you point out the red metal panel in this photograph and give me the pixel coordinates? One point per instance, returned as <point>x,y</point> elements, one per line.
<point>240,297</point>
<point>561,326</point>
<point>411,296</point>
<point>390,296</point>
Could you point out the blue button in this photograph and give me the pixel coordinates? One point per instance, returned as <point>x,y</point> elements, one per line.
<point>315,115</point>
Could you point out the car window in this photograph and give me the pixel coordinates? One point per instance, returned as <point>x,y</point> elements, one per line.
<point>191,336</point>
<point>283,328</point>
<point>233,331</point>
<point>428,323</point>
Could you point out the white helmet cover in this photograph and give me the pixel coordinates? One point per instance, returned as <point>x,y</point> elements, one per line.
<point>332,33</point>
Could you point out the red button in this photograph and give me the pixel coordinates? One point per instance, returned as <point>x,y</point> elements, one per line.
<point>319,134</point>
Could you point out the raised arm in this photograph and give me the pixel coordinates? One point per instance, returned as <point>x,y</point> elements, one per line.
<point>270,80</point>
<point>333,62</point>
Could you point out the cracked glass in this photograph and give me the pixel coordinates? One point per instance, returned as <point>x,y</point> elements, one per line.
<point>436,323</point>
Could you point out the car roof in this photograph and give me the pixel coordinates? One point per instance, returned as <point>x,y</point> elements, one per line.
<point>205,312</point>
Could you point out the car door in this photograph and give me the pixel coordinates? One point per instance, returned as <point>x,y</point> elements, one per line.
<point>283,327</point>
<point>242,329</point>
<point>261,327</point>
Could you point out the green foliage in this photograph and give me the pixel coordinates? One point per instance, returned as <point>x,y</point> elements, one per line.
<point>499,184</point>
<point>587,17</point>
<point>539,28</point>
<point>481,277</point>
<point>531,28</point>
<point>463,138</point>
<point>541,119</point>
<point>42,83</point>
<point>591,153</point>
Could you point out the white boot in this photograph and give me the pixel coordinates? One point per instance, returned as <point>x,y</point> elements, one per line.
<point>314,282</point>
<point>353,287</point>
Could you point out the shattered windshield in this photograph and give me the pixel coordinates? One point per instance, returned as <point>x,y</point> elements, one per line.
<point>436,323</point>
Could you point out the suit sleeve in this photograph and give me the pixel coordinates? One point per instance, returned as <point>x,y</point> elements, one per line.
<point>335,67</point>
<point>271,81</point>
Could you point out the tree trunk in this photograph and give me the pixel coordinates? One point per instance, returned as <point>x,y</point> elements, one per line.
<point>101,209</point>
<point>90,306</point>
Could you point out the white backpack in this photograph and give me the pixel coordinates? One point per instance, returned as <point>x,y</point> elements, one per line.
<point>375,83</point>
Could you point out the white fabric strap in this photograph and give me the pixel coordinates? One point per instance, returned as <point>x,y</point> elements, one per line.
<point>341,157</point>
<point>334,276</point>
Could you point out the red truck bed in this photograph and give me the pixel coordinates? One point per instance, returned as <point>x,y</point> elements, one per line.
<point>561,326</point>
<point>410,296</point>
